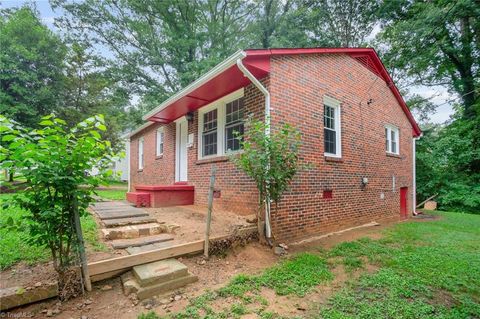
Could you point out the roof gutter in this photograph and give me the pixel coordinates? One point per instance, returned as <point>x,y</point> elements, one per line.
<point>253,79</point>
<point>218,69</point>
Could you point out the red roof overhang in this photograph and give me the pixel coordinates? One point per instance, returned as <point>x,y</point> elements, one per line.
<point>258,63</point>
<point>224,83</point>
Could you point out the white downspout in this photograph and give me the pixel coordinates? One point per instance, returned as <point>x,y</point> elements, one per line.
<point>414,182</point>
<point>253,79</point>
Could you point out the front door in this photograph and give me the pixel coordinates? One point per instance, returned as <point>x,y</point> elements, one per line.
<point>403,202</point>
<point>181,161</point>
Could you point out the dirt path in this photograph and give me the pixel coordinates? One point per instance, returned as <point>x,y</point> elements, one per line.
<point>108,301</point>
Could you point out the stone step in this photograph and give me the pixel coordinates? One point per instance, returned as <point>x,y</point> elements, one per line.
<point>128,221</point>
<point>109,204</point>
<point>149,247</point>
<point>103,215</point>
<point>141,241</point>
<point>112,206</point>
<point>133,231</point>
<point>159,272</point>
<point>162,288</point>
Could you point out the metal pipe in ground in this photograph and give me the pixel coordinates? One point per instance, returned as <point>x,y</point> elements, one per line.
<point>209,213</point>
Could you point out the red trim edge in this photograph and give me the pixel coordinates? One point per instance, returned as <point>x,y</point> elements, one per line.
<point>164,187</point>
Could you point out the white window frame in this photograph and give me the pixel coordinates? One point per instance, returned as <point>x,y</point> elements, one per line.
<point>388,139</point>
<point>335,104</point>
<point>141,147</point>
<point>160,141</point>
<point>220,105</point>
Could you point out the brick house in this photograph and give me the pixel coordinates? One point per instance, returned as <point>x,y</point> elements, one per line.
<point>357,135</point>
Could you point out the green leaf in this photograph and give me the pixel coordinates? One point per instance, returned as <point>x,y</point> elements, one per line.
<point>46,123</point>
<point>95,134</point>
<point>8,138</point>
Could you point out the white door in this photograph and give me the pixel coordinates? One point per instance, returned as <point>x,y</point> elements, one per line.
<point>181,161</point>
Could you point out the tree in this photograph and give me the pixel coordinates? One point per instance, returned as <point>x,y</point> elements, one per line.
<point>271,160</point>
<point>31,65</point>
<point>55,162</point>
<point>435,43</point>
<point>447,165</point>
<point>342,23</point>
<point>90,89</point>
<point>158,46</point>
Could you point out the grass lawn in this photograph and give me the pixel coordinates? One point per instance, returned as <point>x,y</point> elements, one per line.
<point>112,194</point>
<point>422,270</point>
<point>14,246</point>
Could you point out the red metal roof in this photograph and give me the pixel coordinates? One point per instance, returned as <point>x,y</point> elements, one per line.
<point>258,63</point>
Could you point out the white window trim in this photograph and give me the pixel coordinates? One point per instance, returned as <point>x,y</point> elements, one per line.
<point>391,128</point>
<point>141,152</point>
<point>220,105</point>
<point>160,139</point>
<point>330,101</point>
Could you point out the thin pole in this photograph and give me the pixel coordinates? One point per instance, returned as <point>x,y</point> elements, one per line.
<point>209,214</point>
<point>81,243</point>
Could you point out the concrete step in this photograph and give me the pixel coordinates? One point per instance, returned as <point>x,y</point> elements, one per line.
<point>159,272</point>
<point>162,288</point>
<point>141,241</point>
<point>128,221</point>
<point>133,231</point>
<point>149,247</point>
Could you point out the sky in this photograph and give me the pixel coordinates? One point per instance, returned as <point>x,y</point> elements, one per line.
<point>438,95</point>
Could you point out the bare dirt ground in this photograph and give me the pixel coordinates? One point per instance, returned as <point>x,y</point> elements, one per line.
<point>191,220</point>
<point>108,301</point>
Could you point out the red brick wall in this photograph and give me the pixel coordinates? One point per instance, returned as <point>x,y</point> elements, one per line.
<point>297,86</point>
<point>238,192</point>
<point>156,170</point>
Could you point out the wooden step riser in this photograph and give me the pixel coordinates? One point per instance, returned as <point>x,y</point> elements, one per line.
<point>115,222</point>
<point>141,241</point>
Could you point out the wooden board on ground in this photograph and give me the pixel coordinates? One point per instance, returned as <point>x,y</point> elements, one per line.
<point>128,221</point>
<point>149,247</point>
<point>141,241</point>
<point>121,214</point>
<point>125,262</point>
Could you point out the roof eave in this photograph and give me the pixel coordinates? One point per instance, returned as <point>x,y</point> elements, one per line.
<point>219,68</point>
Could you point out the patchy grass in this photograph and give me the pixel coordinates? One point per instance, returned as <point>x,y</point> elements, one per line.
<point>112,194</point>
<point>14,241</point>
<point>116,183</point>
<point>296,276</point>
<point>425,270</point>
<point>90,233</point>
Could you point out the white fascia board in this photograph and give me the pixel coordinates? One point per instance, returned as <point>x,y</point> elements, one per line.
<point>219,68</point>
<point>138,129</point>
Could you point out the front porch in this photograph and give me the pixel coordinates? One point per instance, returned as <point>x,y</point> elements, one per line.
<point>162,195</point>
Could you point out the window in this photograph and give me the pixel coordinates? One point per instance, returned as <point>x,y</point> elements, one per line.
<point>221,126</point>
<point>391,140</point>
<point>331,127</point>
<point>209,136</point>
<point>140,153</point>
<point>234,125</point>
<point>160,141</point>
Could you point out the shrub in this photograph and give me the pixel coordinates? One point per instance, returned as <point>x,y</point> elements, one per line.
<point>55,162</point>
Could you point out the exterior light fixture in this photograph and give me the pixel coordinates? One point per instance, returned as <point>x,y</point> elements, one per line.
<point>189,116</point>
